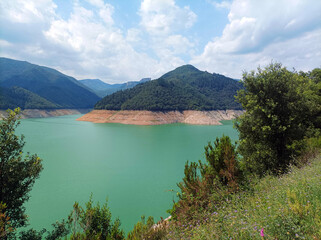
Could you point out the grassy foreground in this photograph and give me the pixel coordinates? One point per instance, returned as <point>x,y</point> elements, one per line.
<point>286,207</point>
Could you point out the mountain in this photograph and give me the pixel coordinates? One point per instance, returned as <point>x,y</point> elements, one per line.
<point>185,88</point>
<point>31,86</point>
<point>103,89</point>
<point>19,97</point>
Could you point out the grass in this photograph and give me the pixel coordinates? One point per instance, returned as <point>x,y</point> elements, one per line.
<point>286,207</point>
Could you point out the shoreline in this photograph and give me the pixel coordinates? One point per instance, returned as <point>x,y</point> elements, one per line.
<point>44,113</point>
<point>137,117</point>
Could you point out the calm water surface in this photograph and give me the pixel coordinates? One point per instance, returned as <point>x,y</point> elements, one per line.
<point>133,166</point>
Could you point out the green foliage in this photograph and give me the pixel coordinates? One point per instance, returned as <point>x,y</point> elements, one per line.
<point>207,184</point>
<point>17,172</point>
<point>147,230</point>
<point>280,106</point>
<point>31,234</point>
<point>287,207</point>
<point>185,88</point>
<point>60,230</point>
<point>94,222</point>
<point>18,97</point>
<point>5,225</point>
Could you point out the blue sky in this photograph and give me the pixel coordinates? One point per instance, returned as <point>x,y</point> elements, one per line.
<point>126,40</point>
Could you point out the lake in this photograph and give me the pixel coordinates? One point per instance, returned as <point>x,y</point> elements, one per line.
<point>135,167</point>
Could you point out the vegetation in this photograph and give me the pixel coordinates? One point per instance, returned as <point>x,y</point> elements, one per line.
<point>17,175</point>
<point>18,97</point>
<point>93,222</point>
<point>280,106</point>
<point>147,230</point>
<point>207,183</point>
<point>286,207</point>
<point>185,88</point>
<point>266,188</point>
<point>27,85</point>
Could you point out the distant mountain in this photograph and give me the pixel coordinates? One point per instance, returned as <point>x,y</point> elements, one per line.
<point>31,86</point>
<point>185,88</point>
<point>103,89</point>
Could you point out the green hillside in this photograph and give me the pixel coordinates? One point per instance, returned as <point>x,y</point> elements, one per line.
<point>18,97</point>
<point>59,90</point>
<point>185,88</point>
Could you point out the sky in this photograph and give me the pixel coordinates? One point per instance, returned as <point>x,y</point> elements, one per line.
<point>127,40</point>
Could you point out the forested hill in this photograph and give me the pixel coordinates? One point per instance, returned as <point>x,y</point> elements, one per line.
<point>27,85</point>
<point>185,88</point>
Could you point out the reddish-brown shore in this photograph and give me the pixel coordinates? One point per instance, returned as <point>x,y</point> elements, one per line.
<point>41,113</point>
<point>157,118</point>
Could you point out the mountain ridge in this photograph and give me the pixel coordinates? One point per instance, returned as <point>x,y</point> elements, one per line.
<point>51,88</point>
<point>103,89</point>
<point>184,88</point>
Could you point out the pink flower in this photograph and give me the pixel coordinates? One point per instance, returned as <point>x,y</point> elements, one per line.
<point>262,232</point>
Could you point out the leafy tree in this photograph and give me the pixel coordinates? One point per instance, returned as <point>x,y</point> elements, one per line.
<point>17,172</point>
<point>315,75</point>
<point>94,222</point>
<point>279,107</point>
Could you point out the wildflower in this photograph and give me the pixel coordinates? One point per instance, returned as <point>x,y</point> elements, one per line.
<point>262,232</point>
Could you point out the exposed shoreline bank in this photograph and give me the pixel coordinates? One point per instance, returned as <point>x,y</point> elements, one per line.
<point>44,113</point>
<point>158,118</point>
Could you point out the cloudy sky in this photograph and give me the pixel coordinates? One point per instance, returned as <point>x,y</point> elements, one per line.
<point>126,40</point>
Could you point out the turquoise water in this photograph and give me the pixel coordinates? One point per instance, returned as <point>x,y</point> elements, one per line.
<point>133,166</point>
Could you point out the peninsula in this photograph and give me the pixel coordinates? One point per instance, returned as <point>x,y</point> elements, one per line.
<point>184,95</point>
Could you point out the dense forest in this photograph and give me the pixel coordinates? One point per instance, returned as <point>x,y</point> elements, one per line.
<point>19,97</point>
<point>185,88</point>
<point>27,85</point>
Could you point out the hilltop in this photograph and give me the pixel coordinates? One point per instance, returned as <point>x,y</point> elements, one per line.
<point>30,86</point>
<point>185,88</point>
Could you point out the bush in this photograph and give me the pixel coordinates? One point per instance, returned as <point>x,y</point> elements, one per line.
<point>206,184</point>
<point>148,230</point>
<point>93,222</point>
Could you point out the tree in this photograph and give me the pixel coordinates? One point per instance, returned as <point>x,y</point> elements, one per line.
<point>279,106</point>
<point>17,172</point>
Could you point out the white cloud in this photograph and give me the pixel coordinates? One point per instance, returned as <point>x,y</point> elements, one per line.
<point>163,17</point>
<point>21,11</point>
<point>259,31</point>
<point>88,43</point>
<point>223,4</point>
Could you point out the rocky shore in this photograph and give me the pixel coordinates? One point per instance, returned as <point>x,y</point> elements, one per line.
<point>157,118</point>
<point>41,113</point>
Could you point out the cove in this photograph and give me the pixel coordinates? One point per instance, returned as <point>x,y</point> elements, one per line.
<point>135,167</point>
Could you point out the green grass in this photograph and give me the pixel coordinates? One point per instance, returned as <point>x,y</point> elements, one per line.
<point>287,207</point>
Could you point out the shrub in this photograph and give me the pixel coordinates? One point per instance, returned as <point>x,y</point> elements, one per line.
<point>93,222</point>
<point>205,184</point>
<point>148,230</point>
